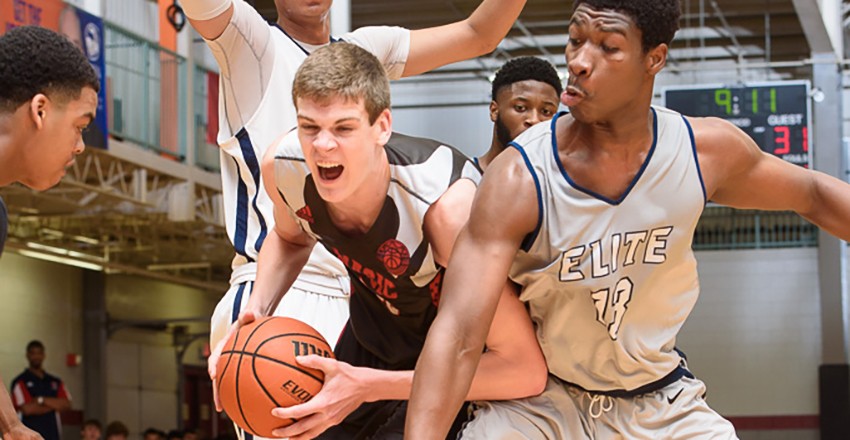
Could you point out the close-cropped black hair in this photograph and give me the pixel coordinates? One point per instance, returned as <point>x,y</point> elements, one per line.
<point>36,60</point>
<point>35,343</point>
<point>523,69</point>
<point>658,20</point>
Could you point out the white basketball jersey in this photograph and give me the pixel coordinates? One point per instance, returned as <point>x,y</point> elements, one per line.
<point>609,283</point>
<point>248,208</point>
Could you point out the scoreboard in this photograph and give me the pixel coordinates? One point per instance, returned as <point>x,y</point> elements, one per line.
<point>777,115</point>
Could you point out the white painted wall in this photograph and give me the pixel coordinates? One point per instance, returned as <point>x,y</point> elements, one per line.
<point>142,364</point>
<point>754,335</point>
<point>41,300</point>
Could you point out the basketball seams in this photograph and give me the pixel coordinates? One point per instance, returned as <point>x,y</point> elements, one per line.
<point>280,362</point>
<point>238,369</point>
<point>268,363</point>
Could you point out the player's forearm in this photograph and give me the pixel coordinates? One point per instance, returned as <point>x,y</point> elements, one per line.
<point>830,208</point>
<point>278,264</point>
<point>492,20</point>
<point>8,416</point>
<point>443,375</point>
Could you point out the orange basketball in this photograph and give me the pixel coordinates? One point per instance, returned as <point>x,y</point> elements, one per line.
<point>257,372</point>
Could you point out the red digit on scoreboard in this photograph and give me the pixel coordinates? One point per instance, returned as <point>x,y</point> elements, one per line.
<point>782,138</point>
<point>805,139</point>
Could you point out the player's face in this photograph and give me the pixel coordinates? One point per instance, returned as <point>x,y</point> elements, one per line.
<point>342,148</point>
<point>300,9</point>
<point>521,105</point>
<point>58,139</point>
<point>608,69</point>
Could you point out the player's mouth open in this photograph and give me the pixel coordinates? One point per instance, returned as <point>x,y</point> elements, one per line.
<point>329,170</point>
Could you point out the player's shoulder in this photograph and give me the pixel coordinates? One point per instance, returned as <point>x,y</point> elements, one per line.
<point>538,133</point>
<point>21,377</point>
<point>287,147</point>
<point>411,150</point>
<point>365,35</point>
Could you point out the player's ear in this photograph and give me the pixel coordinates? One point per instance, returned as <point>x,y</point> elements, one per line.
<point>494,111</point>
<point>384,124</point>
<point>656,59</point>
<point>38,108</point>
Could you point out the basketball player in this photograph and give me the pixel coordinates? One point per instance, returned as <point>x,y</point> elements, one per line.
<point>525,91</point>
<point>389,207</point>
<point>604,202</point>
<point>48,97</point>
<point>257,63</point>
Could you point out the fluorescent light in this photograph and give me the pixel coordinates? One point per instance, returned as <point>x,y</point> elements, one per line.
<point>60,260</point>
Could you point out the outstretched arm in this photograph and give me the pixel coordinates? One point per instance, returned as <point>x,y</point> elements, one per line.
<point>475,36</point>
<point>208,17</point>
<point>738,174</point>
<point>470,294</point>
<point>240,40</point>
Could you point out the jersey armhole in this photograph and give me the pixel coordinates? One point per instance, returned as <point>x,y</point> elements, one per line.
<point>696,159</point>
<point>529,239</point>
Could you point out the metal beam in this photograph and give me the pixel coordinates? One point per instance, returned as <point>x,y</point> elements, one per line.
<point>821,21</point>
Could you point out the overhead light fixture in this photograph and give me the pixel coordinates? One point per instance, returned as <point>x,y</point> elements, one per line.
<point>60,259</point>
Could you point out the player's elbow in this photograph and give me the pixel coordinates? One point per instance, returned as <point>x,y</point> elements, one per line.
<point>534,379</point>
<point>482,39</point>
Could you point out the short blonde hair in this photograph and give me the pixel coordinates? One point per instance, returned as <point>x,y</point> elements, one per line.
<point>347,71</point>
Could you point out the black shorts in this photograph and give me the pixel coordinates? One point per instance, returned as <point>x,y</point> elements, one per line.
<point>382,420</point>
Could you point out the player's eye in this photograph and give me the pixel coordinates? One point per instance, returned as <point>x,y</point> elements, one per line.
<point>609,49</point>
<point>519,108</point>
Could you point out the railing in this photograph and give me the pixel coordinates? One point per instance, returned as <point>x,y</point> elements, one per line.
<point>206,150</point>
<point>147,93</point>
<point>726,228</point>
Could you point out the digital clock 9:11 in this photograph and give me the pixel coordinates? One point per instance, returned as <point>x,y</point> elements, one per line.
<point>776,115</point>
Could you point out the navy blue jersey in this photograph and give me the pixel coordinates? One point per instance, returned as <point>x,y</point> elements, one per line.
<point>28,387</point>
<point>4,224</point>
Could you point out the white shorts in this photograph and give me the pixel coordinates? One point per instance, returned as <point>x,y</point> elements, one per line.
<point>677,411</point>
<point>326,313</point>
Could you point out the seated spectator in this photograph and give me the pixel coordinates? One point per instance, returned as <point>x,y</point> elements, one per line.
<point>92,430</point>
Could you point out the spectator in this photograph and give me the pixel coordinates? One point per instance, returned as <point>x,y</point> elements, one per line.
<point>92,430</point>
<point>116,430</point>
<point>153,434</point>
<point>40,397</point>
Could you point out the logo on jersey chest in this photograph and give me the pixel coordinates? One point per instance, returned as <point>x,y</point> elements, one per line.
<point>395,256</point>
<point>305,214</point>
<point>606,257</point>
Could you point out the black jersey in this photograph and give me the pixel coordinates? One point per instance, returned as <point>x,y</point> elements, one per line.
<point>4,225</point>
<point>395,281</point>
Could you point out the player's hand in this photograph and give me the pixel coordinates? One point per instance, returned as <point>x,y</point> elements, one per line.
<point>21,432</point>
<point>212,362</point>
<point>342,393</point>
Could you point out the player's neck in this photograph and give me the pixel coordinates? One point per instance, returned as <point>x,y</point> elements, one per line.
<point>357,214</point>
<point>8,156</point>
<point>627,133</point>
<point>37,371</point>
<point>496,148</point>
<point>306,31</point>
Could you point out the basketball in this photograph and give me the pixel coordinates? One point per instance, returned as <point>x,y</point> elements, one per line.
<point>257,372</point>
